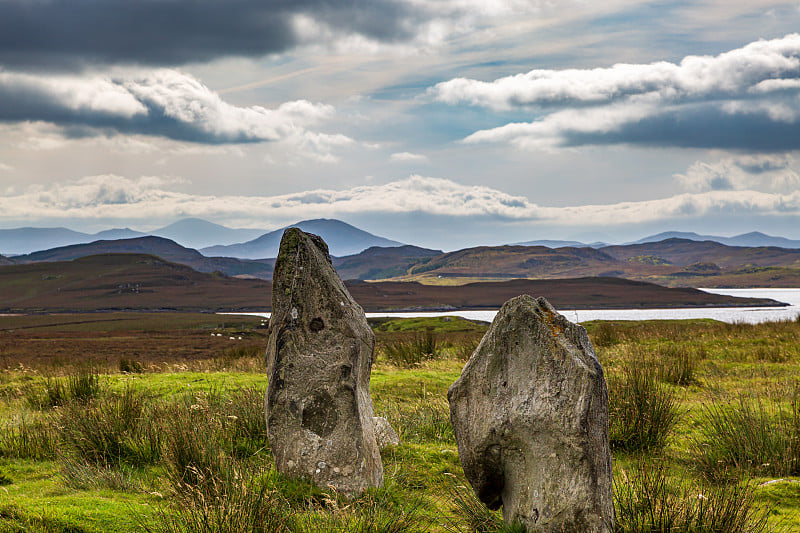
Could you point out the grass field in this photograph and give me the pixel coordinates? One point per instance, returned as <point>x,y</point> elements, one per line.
<point>154,422</point>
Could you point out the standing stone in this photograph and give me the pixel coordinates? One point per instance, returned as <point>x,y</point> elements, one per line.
<point>319,358</point>
<point>530,415</point>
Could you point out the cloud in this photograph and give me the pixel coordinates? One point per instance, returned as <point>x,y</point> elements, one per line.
<point>163,103</point>
<point>150,199</point>
<point>5,168</point>
<point>407,157</point>
<point>71,33</point>
<point>771,172</point>
<point>747,98</point>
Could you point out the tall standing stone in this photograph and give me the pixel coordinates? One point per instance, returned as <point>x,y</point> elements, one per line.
<point>530,414</point>
<point>319,357</point>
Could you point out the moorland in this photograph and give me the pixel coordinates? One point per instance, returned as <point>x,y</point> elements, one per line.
<point>154,422</point>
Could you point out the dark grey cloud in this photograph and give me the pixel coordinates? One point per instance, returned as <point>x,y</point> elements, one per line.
<point>702,126</point>
<point>70,33</point>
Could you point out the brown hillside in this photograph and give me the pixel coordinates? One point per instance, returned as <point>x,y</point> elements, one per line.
<point>520,261</point>
<point>123,281</point>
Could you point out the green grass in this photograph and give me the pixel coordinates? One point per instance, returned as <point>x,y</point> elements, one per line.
<point>182,446</point>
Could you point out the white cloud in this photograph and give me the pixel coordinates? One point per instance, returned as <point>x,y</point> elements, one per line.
<point>6,168</point>
<point>758,67</point>
<point>759,83</point>
<point>148,199</point>
<point>759,172</point>
<point>407,157</point>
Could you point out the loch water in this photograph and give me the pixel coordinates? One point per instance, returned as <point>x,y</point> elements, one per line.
<point>750,315</point>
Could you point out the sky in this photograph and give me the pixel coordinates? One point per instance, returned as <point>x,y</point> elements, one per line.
<point>441,123</point>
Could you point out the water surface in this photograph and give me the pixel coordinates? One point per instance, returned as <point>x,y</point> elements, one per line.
<point>750,315</point>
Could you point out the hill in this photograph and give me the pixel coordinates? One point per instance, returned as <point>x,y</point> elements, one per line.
<point>578,293</point>
<point>506,262</point>
<point>673,262</point>
<point>380,263</point>
<point>342,239</point>
<point>123,282</point>
<point>157,246</point>
<point>146,282</point>
<point>199,233</point>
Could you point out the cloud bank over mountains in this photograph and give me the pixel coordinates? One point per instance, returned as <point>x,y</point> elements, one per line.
<point>747,98</point>
<point>151,199</point>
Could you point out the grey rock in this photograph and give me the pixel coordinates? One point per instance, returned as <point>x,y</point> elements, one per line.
<point>530,415</point>
<point>385,435</point>
<point>319,358</point>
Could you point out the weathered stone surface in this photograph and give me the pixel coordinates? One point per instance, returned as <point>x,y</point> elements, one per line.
<point>319,357</point>
<point>530,414</point>
<point>385,435</point>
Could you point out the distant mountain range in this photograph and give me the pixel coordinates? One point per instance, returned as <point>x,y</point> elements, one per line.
<point>561,244</point>
<point>215,240</point>
<point>754,238</point>
<point>342,238</point>
<point>357,254</point>
<point>191,232</point>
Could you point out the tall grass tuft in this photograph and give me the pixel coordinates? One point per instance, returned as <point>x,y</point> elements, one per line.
<point>53,394</point>
<point>236,503</point>
<point>677,365</point>
<point>412,352</point>
<point>646,501</point>
<point>470,514</point>
<point>27,438</point>
<point>750,436</point>
<point>244,414</point>
<point>84,385</point>
<point>464,350</point>
<point>119,429</point>
<point>605,334</point>
<point>195,446</point>
<point>130,366</point>
<point>422,421</point>
<point>642,412</point>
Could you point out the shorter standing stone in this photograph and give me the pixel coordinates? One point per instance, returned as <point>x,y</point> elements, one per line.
<point>385,435</point>
<point>530,415</point>
<point>319,358</point>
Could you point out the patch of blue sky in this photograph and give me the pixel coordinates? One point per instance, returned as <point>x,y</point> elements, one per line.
<point>437,123</point>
